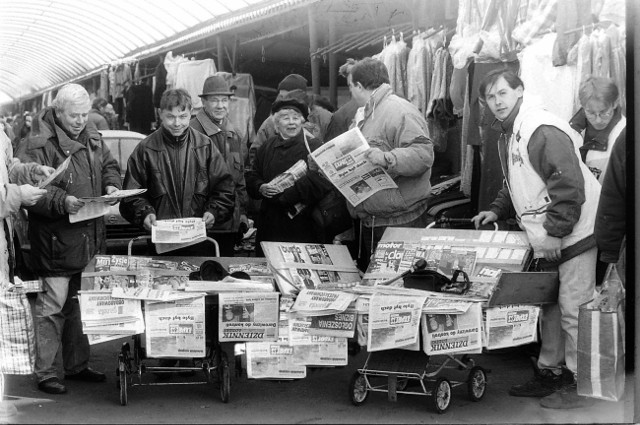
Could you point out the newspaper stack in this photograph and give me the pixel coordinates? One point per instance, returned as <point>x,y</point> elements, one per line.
<point>229,284</point>
<point>101,314</point>
<point>310,266</point>
<point>321,303</point>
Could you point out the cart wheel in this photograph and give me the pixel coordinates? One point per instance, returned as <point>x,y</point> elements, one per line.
<point>123,383</point>
<point>224,378</point>
<point>477,383</point>
<point>441,395</point>
<point>402,384</point>
<point>358,391</point>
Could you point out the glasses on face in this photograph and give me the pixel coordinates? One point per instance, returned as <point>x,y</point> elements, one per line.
<point>602,115</point>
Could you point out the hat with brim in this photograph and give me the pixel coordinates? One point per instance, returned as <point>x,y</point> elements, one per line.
<point>293,100</point>
<point>216,86</point>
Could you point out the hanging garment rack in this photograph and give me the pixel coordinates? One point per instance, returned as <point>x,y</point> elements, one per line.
<point>358,38</point>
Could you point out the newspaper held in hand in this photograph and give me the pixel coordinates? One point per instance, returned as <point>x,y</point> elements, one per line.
<point>287,179</point>
<point>61,169</point>
<point>113,196</point>
<point>169,235</point>
<point>343,162</point>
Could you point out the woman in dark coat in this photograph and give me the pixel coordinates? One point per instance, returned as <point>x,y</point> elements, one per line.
<point>273,158</point>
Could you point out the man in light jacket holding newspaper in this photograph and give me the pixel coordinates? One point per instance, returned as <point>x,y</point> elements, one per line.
<point>397,134</point>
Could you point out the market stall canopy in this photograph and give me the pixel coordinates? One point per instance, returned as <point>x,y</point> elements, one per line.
<point>44,43</point>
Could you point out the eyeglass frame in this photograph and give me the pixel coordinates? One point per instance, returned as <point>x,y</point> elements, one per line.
<point>605,115</point>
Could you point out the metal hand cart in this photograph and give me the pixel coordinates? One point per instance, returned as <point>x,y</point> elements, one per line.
<point>396,371</point>
<point>215,364</point>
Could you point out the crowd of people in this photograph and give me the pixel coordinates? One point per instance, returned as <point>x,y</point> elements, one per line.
<point>194,165</point>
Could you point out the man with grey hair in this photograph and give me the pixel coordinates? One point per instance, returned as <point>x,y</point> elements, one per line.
<point>61,249</point>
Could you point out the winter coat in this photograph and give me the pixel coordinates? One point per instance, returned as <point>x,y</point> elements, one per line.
<point>208,186</point>
<point>394,125</point>
<point>12,174</point>
<point>552,191</point>
<point>273,158</point>
<point>228,143</point>
<point>611,218</point>
<point>58,247</point>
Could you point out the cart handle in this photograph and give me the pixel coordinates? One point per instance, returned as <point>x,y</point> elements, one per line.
<point>443,220</point>
<point>148,237</point>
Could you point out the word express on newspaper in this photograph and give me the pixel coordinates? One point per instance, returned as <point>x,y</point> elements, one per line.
<point>248,316</point>
<point>453,333</point>
<point>343,162</point>
<point>175,328</point>
<point>511,325</point>
<point>394,321</point>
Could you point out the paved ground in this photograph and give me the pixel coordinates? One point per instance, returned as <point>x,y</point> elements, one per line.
<point>320,398</point>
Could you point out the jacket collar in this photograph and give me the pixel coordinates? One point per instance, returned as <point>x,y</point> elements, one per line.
<point>378,95</point>
<point>594,139</point>
<point>210,128</point>
<point>156,143</point>
<point>506,126</point>
<point>49,128</point>
<point>280,142</point>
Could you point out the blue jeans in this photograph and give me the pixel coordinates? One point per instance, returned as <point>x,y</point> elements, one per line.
<point>58,326</point>
<point>559,322</point>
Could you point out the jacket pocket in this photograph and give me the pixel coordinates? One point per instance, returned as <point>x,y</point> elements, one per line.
<point>385,202</point>
<point>71,249</point>
<point>536,233</point>
<point>156,186</point>
<point>202,181</point>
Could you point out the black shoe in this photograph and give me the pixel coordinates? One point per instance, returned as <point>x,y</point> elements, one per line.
<point>87,375</point>
<point>544,383</point>
<point>52,386</point>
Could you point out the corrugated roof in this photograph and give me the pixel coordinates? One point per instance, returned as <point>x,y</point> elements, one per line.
<point>44,43</point>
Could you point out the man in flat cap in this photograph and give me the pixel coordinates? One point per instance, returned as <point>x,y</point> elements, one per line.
<point>213,121</point>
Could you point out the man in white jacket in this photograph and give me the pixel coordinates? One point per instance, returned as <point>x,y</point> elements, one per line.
<point>555,197</point>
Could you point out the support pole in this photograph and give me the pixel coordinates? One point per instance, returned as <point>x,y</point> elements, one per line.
<point>313,46</point>
<point>333,64</point>
<point>220,53</point>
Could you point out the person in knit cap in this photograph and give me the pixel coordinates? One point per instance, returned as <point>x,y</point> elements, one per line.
<point>315,124</point>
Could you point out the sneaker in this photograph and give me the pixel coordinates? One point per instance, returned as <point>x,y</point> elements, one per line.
<point>566,398</point>
<point>544,383</point>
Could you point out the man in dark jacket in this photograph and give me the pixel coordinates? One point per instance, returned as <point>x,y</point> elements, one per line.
<point>213,121</point>
<point>183,171</point>
<point>60,249</point>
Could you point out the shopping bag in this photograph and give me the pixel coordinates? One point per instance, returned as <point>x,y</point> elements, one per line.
<point>17,334</point>
<point>601,371</point>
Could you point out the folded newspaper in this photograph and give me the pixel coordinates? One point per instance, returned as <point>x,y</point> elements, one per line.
<point>287,179</point>
<point>343,162</point>
<point>229,284</point>
<point>312,302</point>
<point>169,235</point>
<point>394,322</point>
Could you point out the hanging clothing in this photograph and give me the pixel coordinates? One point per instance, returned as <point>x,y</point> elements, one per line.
<point>139,110</point>
<point>159,83</point>
<point>554,85</point>
<point>171,64</point>
<point>123,79</point>
<point>242,108</point>
<point>103,90</point>
<point>190,75</point>
<point>601,53</point>
<point>580,57</point>
<point>570,14</point>
<point>395,56</point>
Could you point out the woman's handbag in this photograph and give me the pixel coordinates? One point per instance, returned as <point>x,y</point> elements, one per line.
<point>17,335</point>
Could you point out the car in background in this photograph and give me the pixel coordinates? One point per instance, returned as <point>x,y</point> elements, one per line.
<point>121,143</point>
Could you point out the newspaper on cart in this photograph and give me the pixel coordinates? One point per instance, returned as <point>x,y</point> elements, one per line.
<point>511,325</point>
<point>316,350</point>
<point>453,333</point>
<point>311,266</point>
<point>102,314</point>
<point>303,330</point>
<point>248,316</point>
<point>312,302</point>
<point>273,360</point>
<point>343,161</point>
<point>175,328</point>
<point>394,321</point>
